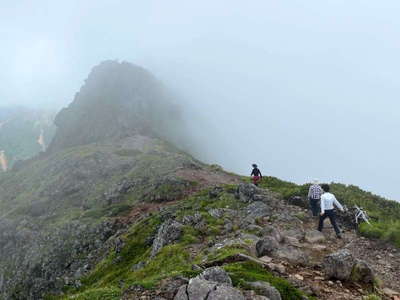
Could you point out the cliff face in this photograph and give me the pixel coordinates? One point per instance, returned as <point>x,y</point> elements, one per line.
<point>117,100</point>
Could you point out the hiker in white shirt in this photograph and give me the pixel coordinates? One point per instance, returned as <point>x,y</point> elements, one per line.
<point>328,203</point>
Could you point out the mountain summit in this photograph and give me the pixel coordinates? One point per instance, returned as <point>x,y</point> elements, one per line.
<point>117,100</point>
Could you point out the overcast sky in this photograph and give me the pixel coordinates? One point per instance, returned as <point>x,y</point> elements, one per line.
<point>304,88</point>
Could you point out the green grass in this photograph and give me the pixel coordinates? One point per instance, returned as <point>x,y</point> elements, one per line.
<point>385,214</point>
<point>244,272</point>
<point>115,273</point>
<point>387,231</point>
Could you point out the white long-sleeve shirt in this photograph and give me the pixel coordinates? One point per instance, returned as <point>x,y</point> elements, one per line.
<point>328,201</point>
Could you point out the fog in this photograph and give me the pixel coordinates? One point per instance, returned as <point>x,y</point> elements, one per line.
<point>306,89</point>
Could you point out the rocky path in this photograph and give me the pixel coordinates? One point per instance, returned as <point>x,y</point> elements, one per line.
<point>283,240</point>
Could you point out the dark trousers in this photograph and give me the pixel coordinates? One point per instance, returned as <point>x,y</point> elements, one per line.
<point>330,213</point>
<point>314,205</point>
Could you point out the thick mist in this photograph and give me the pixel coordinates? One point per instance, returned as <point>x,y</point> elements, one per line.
<point>304,89</point>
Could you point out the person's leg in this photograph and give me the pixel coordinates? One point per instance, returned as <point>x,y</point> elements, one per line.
<point>311,201</point>
<point>321,222</point>
<point>314,207</point>
<point>332,218</point>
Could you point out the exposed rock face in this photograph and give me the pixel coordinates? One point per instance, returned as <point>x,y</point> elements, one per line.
<point>257,209</point>
<point>266,246</point>
<point>362,272</point>
<point>224,292</point>
<point>216,274</point>
<point>168,233</point>
<point>339,265</point>
<point>213,283</point>
<point>342,265</point>
<point>265,289</point>
<point>314,236</point>
<point>117,100</point>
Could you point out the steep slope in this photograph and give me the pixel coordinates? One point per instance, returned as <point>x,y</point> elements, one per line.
<point>263,246</point>
<point>112,210</point>
<point>56,209</point>
<point>117,100</point>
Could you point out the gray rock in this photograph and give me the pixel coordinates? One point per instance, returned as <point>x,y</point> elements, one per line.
<point>292,254</point>
<point>314,236</point>
<point>182,293</point>
<point>338,265</point>
<point>198,289</point>
<point>216,212</point>
<point>223,292</point>
<point>265,289</point>
<point>216,274</point>
<point>247,191</point>
<point>362,272</point>
<point>272,232</point>
<point>296,233</point>
<point>266,246</point>
<point>169,232</point>
<point>257,209</point>
<point>192,220</point>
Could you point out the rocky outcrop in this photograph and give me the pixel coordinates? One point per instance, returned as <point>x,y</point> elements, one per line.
<point>169,232</point>
<point>314,236</point>
<point>213,283</point>
<point>117,100</point>
<point>265,289</point>
<point>266,246</point>
<point>216,274</point>
<point>343,266</point>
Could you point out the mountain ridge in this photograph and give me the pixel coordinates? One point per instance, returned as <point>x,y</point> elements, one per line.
<point>114,210</point>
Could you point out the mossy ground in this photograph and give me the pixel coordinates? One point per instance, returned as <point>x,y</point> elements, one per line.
<point>115,273</point>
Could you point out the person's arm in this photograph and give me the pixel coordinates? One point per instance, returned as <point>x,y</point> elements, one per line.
<point>337,204</point>
<point>260,173</point>
<point>322,206</point>
<point>309,192</point>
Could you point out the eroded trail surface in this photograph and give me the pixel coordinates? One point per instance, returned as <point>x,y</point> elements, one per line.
<point>263,229</point>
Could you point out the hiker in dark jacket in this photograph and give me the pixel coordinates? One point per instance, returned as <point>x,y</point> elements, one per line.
<point>314,196</point>
<point>328,203</point>
<point>256,174</point>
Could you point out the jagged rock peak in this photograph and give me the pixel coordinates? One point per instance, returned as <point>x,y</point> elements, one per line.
<point>118,99</point>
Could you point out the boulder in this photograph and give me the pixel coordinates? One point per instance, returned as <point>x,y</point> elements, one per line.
<point>257,209</point>
<point>216,274</point>
<point>247,191</point>
<point>199,288</point>
<point>169,232</point>
<point>192,219</point>
<point>338,265</point>
<point>182,293</point>
<point>224,292</point>
<point>266,246</point>
<point>265,289</point>
<point>314,236</point>
<point>362,272</point>
<point>292,254</point>
<point>216,212</point>
<point>296,233</point>
<point>272,232</point>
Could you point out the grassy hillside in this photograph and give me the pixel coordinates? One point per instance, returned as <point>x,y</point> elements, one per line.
<point>385,214</point>
<point>115,273</point>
